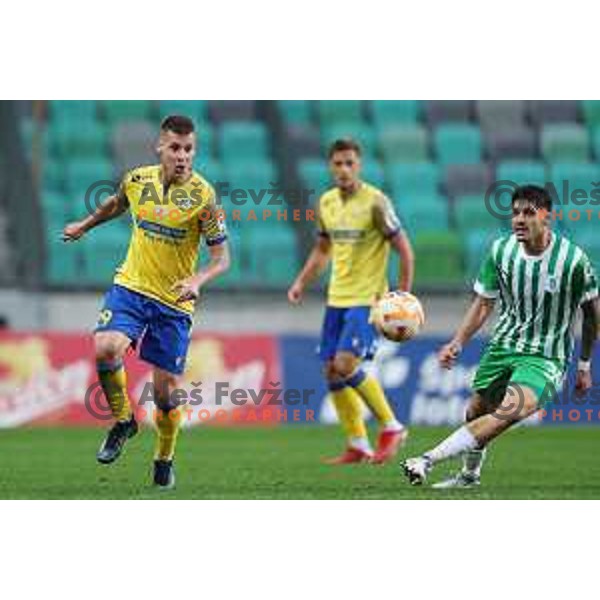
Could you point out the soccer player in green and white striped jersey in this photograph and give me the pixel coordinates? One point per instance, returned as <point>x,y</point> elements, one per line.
<point>540,279</point>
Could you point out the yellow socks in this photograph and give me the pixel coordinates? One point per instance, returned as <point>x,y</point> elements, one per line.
<point>372,393</point>
<point>348,407</point>
<point>167,427</point>
<point>114,383</point>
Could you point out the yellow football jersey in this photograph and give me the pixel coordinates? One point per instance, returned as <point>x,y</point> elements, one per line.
<point>359,228</point>
<point>167,228</point>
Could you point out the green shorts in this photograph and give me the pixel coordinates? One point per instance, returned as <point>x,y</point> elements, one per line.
<point>500,367</point>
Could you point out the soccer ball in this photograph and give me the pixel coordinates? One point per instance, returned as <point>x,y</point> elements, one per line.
<point>398,316</point>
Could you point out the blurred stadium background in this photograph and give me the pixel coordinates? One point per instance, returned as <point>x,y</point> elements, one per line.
<point>435,159</point>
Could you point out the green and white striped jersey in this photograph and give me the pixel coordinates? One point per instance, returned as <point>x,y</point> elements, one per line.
<point>539,295</point>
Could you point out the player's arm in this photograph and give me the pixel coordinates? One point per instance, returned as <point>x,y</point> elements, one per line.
<point>110,209</point>
<point>590,324</point>
<point>486,291</point>
<point>215,236</point>
<point>388,223</point>
<point>315,264</point>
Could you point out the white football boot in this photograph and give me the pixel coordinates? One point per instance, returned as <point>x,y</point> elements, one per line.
<point>416,469</point>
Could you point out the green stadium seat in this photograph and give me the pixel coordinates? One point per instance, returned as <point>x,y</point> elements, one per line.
<point>391,113</point>
<point>210,169</point>
<point>239,139</point>
<point>471,212</point>
<point>273,254</point>
<point>578,176</point>
<point>372,172</point>
<point>314,174</point>
<point>522,172</point>
<point>238,172</point>
<point>591,112</point>
<point>115,111</point>
<point>295,112</point>
<point>83,174</point>
<point>28,132</point>
<point>457,143</point>
<point>339,111</point>
<point>103,250</point>
<point>596,142</point>
<point>404,144</point>
<point>63,263</point>
<point>477,243</point>
<point>440,259</point>
<point>589,240</point>
<point>195,109</point>
<point>72,111</point>
<point>205,136</point>
<point>424,213</point>
<point>75,139</point>
<point>564,143</point>
<point>413,179</point>
<point>361,132</point>
<point>53,175</point>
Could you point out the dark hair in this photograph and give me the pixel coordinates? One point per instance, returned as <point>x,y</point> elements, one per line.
<point>538,196</point>
<point>177,124</point>
<point>344,144</point>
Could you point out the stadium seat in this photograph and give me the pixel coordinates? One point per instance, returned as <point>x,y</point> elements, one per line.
<point>81,174</point>
<point>195,109</point>
<point>231,110</point>
<point>133,144</point>
<point>72,111</point>
<point>576,176</point>
<point>103,251</point>
<point>440,260</point>
<point>471,212</point>
<point>372,172</point>
<point>53,175</point>
<point>510,143</point>
<point>497,114</point>
<point>242,171</point>
<point>314,174</point>
<point>115,111</point>
<point>414,179</point>
<point>339,111</point>
<point>210,169</point>
<point>63,263</point>
<point>359,131</point>
<point>553,111</point>
<point>595,133</point>
<point>591,112</point>
<point>589,240</point>
<point>302,142</point>
<point>522,172</point>
<point>295,112</point>
<point>564,143</point>
<point>442,111</point>
<point>391,113</point>
<point>457,143</point>
<point>425,213</point>
<point>69,139</point>
<point>273,254</point>
<point>242,140</point>
<point>465,180</point>
<point>477,243</point>
<point>404,144</point>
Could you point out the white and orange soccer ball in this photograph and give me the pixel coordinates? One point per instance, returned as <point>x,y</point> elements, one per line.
<point>398,316</point>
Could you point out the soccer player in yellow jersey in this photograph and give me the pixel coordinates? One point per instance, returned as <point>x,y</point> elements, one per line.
<point>357,226</point>
<point>152,298</point>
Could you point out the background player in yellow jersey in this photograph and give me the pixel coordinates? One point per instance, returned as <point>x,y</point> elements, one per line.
<point>357,226</point>
<point>152,298</point>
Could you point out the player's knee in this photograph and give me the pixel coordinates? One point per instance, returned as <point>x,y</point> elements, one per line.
<point>518,404</point>
<point>107,349</point>
<point>345,365</point>
<point>165,388</point>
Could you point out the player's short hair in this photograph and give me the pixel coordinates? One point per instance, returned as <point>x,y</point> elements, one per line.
<point>178,124</point>
<point>538,196</point>
<point>343,145</point>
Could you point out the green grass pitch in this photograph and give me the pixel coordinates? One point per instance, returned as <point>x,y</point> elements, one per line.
<point>284,462</point>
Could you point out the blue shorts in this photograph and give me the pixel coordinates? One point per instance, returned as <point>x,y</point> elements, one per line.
<point>347,330</point>
<point>164,331</point>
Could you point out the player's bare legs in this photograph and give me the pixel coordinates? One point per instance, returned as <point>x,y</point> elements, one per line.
<point>110,348</point>
<point>476,434</point>
<point>168,422</point>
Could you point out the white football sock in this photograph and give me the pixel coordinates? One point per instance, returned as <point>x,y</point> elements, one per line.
<point>473,461</point>
<point>456,443</point>
<point>393,426</point>
<point>360,443</point>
